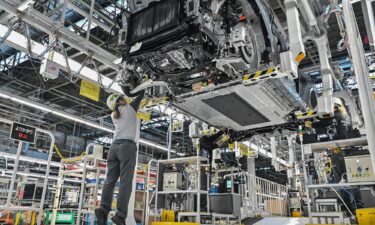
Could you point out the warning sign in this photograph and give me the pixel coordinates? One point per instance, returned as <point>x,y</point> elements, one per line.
<point>90,90</point>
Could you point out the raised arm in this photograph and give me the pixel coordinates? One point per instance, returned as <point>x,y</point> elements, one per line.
<point>137,101</point>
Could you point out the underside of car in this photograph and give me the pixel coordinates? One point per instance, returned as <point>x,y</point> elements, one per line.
<point>217,59</point>
<point>184,42</point>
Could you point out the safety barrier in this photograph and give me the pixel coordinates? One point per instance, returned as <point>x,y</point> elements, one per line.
<point>264,197</point>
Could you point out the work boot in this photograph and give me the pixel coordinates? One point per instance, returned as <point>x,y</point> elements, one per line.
<point>101,216</point>
<point>118,220</point>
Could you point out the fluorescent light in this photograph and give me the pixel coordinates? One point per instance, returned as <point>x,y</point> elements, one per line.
<point>153,145</point>
<point>28,159</point>
<point>117,61</point>
<point>99,127</point>
<point>30,104</point>
<point>4,95</point>
<point>42,176</point>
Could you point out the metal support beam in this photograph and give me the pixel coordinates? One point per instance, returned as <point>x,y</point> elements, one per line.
<point>294,28</point>
<point>5,17</point>
<point>325,102</point>
<point>310,16</point>
<point>8,204</point>
<point>291,150</point>
<point>11,186</point>
<point>85,14</point>
<point>89,18</point>
<point>101,14</point>
<point>18,41</point>
<point>63,12</point>
<point>368,15</point>
<point>49,26</point>
<point>274,152</point>
<point>361,70</point>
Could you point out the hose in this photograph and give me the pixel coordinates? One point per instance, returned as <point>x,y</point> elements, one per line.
<point>60,155</point>
<point>58,152</point>
<point>351,196</point>
<point>338,195</point>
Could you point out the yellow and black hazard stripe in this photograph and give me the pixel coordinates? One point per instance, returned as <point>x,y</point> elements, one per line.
<point>155,102</point>
<point>308,114</point>
<point>300,57</point>
<point>261,74</point>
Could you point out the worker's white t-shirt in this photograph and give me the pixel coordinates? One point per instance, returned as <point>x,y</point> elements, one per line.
<point>126,125</point>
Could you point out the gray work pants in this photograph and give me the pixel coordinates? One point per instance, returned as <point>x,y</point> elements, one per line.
<point>121,163</point>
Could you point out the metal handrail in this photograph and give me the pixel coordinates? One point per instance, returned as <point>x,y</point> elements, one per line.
<point>8,205</point>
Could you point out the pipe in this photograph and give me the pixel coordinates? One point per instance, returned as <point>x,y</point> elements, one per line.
<point>83,183</point>
<point>170,136</point>
<point>90,20</point>
<point>311,18</point>
<point>11,186</point>
<point>361,70</point>
<point>368,14</point>
<point>63,12</point>
<point>274,152</point>
<point>305,177</point>
<point>39,219</point>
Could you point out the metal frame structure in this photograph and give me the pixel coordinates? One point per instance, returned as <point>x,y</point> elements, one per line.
<point>106,19</point>
<point>194,160</point>
<point>362,74</point>
<point>81,173</point>
<point>48,26</point>
<point>265,190</point>
<point>68,116</point>
<point>319,42</point>
<point>368,14</point>
<point>40,210</point>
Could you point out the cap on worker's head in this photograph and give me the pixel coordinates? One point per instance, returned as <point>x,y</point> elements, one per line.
<point>111,101</point>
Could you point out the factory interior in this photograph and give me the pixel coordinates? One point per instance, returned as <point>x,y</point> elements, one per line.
<point>187,112</point>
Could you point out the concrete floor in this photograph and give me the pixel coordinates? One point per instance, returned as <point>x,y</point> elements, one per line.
<point>280,221</point>
<point>251,221</point>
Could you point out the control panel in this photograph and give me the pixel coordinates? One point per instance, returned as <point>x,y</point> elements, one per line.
<point>172,181</point>
<point>359,168</point>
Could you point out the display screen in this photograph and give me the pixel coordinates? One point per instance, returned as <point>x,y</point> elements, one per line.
<point>22,132</point>
<point>229,184</point>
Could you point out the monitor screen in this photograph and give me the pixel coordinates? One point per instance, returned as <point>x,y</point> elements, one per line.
<point>229,184</point>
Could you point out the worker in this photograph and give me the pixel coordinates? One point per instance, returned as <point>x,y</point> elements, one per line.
<point>121,158</point>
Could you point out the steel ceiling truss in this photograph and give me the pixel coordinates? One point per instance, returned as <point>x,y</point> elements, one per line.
<point>51,27</point>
